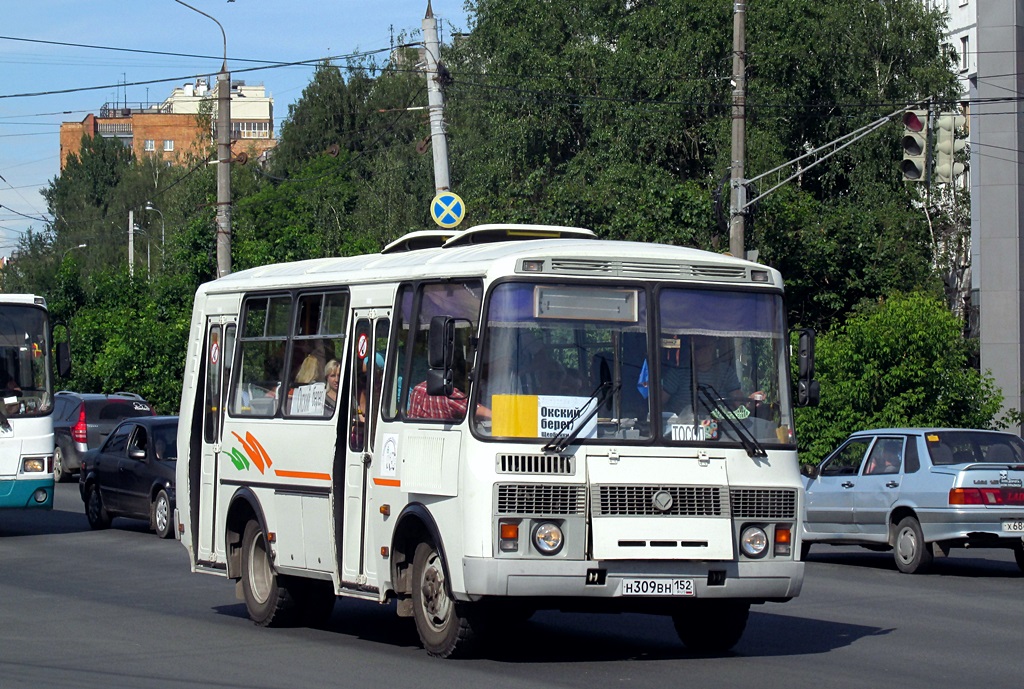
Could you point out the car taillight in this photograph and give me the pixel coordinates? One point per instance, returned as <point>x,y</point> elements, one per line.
<point>975,496</point>
<point>80,432</point>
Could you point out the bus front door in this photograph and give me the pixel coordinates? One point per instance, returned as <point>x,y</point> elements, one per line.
<point>368,343</point>
<point>220,341</point>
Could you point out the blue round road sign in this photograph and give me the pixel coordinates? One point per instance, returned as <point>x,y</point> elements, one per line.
<point>447,209</point>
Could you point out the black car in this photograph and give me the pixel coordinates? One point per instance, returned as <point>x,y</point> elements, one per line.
<point>132,474</point>
<point>81,421</point>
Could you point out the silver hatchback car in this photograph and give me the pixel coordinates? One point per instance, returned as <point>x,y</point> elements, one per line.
<point>918,491</point>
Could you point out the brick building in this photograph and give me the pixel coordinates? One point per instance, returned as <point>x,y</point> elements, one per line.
<point>177,127</point>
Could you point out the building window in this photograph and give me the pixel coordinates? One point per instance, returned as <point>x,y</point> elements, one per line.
<point>965,45</point>
<point>250,130</point>
<point>168,144</point>
<point>150,145</point>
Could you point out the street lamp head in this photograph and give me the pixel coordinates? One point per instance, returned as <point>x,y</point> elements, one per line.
<point>149,206</point>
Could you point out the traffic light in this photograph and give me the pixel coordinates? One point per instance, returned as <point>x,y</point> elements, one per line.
<point>915,145</point>
<point>947,145</point>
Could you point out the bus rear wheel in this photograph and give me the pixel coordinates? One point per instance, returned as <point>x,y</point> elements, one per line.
<point>269,601</point>
<point>441,622</point>
<point>711,626</point>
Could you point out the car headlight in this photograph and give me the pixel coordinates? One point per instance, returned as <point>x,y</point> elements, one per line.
<point>547,538</point>
<point>33,465</point>
<point>754,542</point>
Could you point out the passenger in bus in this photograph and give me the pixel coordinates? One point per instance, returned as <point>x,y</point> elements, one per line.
<point>309,372</point>
<point>333,372</point>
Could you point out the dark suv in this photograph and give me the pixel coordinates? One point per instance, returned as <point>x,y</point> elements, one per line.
<point>82,421</point>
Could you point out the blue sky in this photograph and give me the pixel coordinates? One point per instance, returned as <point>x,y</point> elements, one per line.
<point>275,30</point>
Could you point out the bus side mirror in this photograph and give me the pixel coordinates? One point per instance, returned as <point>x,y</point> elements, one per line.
<point>440,350</point>
<point>808,392</point>
<point>64,359</point>
<point>805,354</point>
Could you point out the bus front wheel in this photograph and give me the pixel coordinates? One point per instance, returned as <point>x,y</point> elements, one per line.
<point>711,626</point>
<point>441,622</point>
<point>268,600</point>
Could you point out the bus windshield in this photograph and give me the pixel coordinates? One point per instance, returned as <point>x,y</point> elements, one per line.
<point>549,347</point>
<point>24,361</point>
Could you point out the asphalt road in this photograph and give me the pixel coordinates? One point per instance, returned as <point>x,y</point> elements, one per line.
<point>118,608</point>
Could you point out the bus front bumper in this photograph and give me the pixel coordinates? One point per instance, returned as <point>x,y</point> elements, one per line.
<point>27,493</point>
<point>776,580</point>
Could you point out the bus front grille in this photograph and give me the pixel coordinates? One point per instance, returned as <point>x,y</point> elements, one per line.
<point>654,270</point>
<point>670,501</point>
<point>539,499</point>
<point>558,465</point>
<point>763,503</point>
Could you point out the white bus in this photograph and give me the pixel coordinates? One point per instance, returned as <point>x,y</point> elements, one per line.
<point>481,424</point>
<point>26,402</point>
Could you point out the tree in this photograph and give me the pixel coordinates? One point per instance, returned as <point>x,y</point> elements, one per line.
<point>331,112</point>
<point>899,362</point>
<point>616,116</point>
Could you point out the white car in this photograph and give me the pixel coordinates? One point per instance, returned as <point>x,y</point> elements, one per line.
<point>917,491</point>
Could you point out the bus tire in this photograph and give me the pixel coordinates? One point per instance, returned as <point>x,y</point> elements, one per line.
<point>269,601</point>
<point>162,519</point>
<point>909,549</point>
<point>711,626</point>
<point>441,622</point>
<point>95,512</point>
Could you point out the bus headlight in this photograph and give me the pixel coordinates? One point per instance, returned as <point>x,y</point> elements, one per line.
<point>754,542</point>
<point>547,538</point>
<point>32,465</point>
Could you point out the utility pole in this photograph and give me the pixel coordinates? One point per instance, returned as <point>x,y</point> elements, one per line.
<point>737,197</point>
<point>224,168</point>
<point>223,154</point>
<point>435,100</point>
<point>223,171</point>
<point>131,242</point>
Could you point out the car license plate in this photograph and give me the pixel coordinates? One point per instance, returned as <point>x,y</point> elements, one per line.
<point>1014,526</point>
<point>657,587</point>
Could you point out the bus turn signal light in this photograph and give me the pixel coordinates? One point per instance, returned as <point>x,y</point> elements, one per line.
<point>783,540</point>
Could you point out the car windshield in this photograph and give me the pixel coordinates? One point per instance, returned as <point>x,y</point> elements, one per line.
<point>968,447</point>
<point>548,347</point>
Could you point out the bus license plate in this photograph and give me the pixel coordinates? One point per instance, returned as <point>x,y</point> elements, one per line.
<point>1014,526</point>
<point>657,587</point>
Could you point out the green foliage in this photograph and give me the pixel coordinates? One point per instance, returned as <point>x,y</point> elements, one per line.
<point>901,362</point>
<point>603,116</point>
<point>130,337</point>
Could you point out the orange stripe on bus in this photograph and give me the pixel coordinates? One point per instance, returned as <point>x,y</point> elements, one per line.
<point>387,482</point>
<point>302,474</point>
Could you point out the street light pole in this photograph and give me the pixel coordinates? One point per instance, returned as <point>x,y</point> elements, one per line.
<point>163,228</point>
<point>68,251</point>
<point>223,155</point>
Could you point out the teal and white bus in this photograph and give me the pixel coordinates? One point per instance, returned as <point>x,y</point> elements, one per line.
<point>26,402</point>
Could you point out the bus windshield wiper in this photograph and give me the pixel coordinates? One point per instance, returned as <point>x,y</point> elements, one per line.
<point>564,436</point>
<point>715,403</point>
